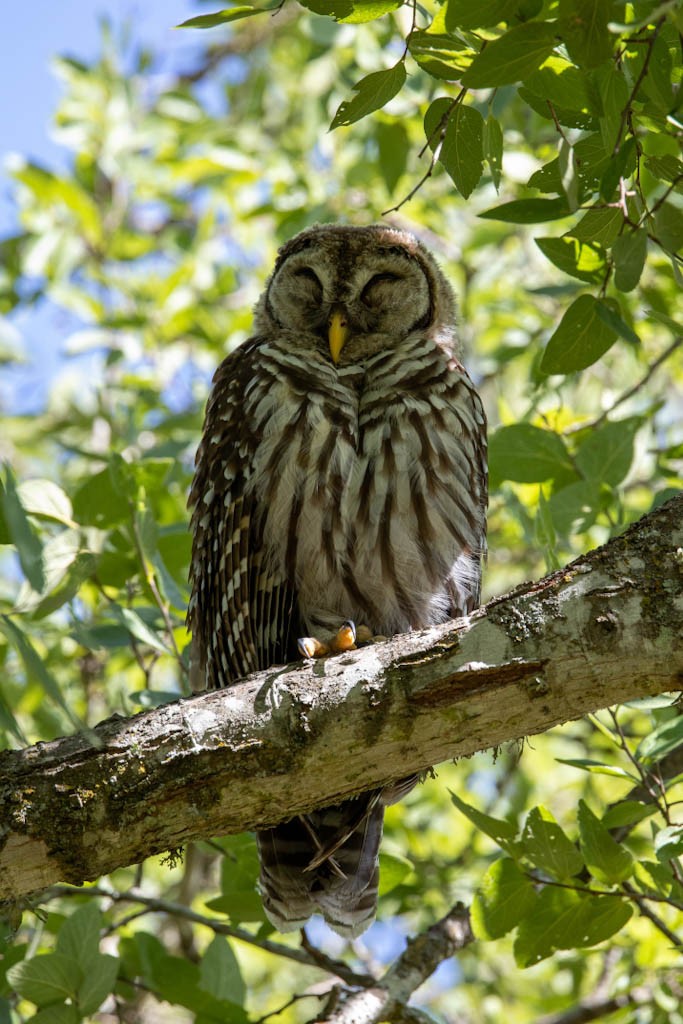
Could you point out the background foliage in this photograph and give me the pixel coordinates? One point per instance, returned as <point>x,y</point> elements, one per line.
<point>535,146</point>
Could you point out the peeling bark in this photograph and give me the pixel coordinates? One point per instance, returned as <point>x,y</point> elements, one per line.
<point>605,629</point>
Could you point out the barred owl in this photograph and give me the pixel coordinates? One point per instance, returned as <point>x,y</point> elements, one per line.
<point>341,476</point>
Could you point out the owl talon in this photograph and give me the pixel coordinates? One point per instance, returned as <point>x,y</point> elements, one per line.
<point>311,647</point>
<point>345,637</point>
<point>343,640</point>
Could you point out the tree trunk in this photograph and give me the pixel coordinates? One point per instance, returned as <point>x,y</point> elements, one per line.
<point>605,629</point>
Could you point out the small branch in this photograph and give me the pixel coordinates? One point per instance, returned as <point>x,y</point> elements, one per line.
<point>661,358</point>
<point>386,1000</point>
<point>438,130</point>
<point>425,177</point>
<point>636,87</point>
<point>591,1009</point>
<point>661,926</point>
<point>153,905</point>
<point>334,967</point>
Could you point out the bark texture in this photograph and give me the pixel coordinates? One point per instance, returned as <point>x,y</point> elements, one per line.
<point>605,629</point>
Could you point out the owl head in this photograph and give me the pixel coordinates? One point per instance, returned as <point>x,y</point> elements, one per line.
<point>347,293</point>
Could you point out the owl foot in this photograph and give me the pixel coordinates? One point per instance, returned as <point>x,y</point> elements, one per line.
<point>347,638</point>
<point>343,640</point>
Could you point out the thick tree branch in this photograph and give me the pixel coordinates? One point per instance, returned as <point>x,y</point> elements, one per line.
<point>605,629</point>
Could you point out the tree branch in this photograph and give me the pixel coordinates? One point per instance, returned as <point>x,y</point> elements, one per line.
<point>386,1000</point>
<point>605,629</point>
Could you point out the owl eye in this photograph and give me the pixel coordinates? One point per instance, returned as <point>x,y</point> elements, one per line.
<point>309,275</point>
<point>366,294</point>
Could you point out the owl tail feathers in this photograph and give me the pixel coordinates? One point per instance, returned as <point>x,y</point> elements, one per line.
<point>343,886</point>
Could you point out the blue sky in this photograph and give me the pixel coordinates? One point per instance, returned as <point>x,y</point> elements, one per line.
<point>33,33</point>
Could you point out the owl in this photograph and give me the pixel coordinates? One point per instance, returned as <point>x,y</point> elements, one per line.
<point>340,481</point>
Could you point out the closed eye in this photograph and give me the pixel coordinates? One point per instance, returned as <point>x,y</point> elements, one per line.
<point>309,275</point>
<point>386,275</point>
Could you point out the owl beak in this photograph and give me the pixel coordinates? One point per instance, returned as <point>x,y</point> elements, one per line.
<point>337,330</point>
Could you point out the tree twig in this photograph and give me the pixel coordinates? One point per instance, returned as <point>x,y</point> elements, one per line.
<point>423,954</point>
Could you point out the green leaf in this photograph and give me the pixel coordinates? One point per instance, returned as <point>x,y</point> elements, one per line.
<point>147,533</point>
<point>66,566</point>
<point>564,919</point>
<point>493,148</point>
<point>63,192</point>
<point>675,326</point>
<point>504,897</point>
<point>601,226</point>
<point>24,536</point>
<point>575,508</point>
<point>584,30</point>
<point>462,148</point>
<point>629,253</point>
<point>502,832</point>
<point>599,918</point>
<point>554,112</point>
<point>45,500</point>
<point>441,56</point>
<point>607,453</point>
<point>436,120</point>
<point>658,82</point>
<point>669,842</point>
<point>99,981</point>
<point>79,936</point>
<point>337,9</point>
<point>512,56</point>
<point>528,211</point>
<point>667,168</point>
<point>465,14</point>
<point>547,846</point>
<point>614,95</point>
<point>527,454</point>
<point>45,979</point>
<point>580,259</point>
<point>368,10</point>
<point>57,1013</point>
<point>219,972</point>
<point>138,628</point>
<point>239,898</point>
<point>607,859</point>
<point>35,667</point>
<point>627,812</point>
<point>619,165</point>
<point>97,502</point>
<point>597,767</point>
<point>225,16</point>
<point>560,83</point>
<point>581,338</point>
<point>352,11</point>
<point>666,738</point>
<point>372,92</point>
<point>609,312</point>
<point>651,876</point>
<point>543,931</point>
<point>393,871</point>
<point>669,227</point>
<point>9,723</point>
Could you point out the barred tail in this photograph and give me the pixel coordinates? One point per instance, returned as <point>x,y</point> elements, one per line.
<point>325,862</point>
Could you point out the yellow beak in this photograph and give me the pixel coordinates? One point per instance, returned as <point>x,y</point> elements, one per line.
<point>338,329</point>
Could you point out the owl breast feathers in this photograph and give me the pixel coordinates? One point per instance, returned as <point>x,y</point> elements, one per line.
<point>341,475</point>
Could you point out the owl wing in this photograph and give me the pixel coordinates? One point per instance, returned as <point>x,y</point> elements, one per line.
<point>241,614</point>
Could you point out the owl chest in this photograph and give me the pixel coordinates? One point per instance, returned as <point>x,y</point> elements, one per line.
<point>343,487</point>
<point>319,464</point>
